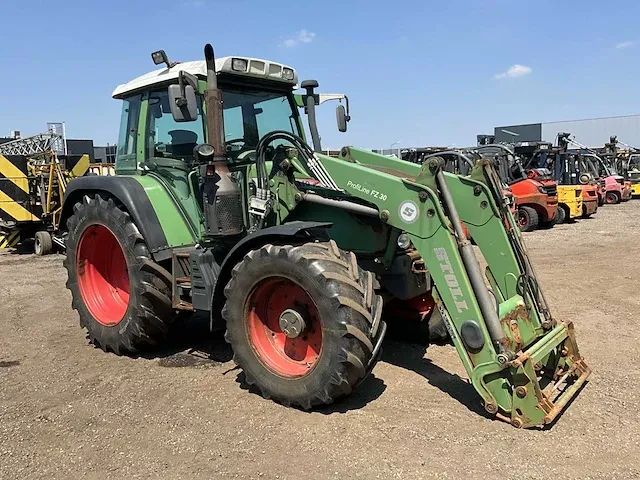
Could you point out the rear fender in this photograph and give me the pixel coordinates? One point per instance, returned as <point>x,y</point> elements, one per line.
<point>132,195</point>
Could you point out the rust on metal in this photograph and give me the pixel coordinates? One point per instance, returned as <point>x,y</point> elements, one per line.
<point>510,323</point>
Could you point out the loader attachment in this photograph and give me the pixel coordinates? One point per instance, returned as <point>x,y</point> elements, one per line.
<point>524,364</point>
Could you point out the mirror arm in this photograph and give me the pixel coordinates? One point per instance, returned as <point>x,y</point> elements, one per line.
<point>185,79</point>
<point>346,100</point>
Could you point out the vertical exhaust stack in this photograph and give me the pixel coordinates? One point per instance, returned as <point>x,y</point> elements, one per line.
<point>222,195</point>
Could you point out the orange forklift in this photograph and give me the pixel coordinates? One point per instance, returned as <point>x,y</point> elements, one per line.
<point>536,195</point>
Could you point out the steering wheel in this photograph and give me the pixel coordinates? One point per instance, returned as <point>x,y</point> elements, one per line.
<point>235,140</point>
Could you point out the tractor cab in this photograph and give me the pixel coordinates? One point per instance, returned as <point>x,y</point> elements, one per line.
<point>257,97</point>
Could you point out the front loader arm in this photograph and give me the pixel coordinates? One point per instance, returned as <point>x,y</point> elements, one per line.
<point>502,333</point>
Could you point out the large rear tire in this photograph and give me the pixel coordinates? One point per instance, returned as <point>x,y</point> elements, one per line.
<point>303,322</point>
<point>122,296</point>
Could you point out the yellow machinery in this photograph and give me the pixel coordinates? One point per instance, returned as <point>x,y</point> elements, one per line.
<point>570,198</point>
<point>33,179</point>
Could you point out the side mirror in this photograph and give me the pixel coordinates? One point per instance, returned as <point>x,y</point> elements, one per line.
<point>341,118</point>
<point>184,107</point>
<point>182,99</point>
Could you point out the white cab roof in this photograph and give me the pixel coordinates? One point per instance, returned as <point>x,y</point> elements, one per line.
<point>256,68</point>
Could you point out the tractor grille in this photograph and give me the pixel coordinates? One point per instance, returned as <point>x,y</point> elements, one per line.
<point>229,210</point>
<point>225,215</point>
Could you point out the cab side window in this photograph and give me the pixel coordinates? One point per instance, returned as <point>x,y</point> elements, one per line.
<point>127,141</point>
<point>168,138</point>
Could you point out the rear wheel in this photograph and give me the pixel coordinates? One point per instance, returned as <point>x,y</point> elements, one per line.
<point>612,198</point>
<point>527,219</point>
<point>43,245</point>
<point>303,322</point>
<point>121,295</point>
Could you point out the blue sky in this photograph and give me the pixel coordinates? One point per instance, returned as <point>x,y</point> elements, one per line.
<point>422,72</point>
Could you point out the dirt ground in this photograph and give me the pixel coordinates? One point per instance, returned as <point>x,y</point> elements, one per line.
<point>68,410</point>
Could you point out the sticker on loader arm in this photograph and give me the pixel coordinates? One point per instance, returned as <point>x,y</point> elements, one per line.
<point>408,211</point>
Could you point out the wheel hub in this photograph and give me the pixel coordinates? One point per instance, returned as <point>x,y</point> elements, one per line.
<point>291,323</point>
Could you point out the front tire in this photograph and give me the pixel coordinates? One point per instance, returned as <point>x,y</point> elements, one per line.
<point>303,322</point>
<point>121,295</point>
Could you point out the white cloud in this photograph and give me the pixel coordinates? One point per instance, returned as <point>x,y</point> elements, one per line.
<point>514,71</point>
<point>625,44</point>
<point>301,36</point>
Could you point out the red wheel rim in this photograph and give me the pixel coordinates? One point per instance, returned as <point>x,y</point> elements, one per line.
<point>522,219</point>
<point>102,275</point>
<point>286,356</point>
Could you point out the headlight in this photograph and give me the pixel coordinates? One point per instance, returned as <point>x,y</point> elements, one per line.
<point>204,152</point>
<point>239,65</point>
<point>541,189</point>
<point>287,74</point>
<point>404,241</point>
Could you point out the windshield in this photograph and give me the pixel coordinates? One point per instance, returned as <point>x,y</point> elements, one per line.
<point>634,162</point>
<point>591,167</point>
<point>250,114</point>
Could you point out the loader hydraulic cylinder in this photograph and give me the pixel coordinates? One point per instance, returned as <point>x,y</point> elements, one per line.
<point>486,303</point>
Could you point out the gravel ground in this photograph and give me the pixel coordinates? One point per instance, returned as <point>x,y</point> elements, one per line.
<point>68,410</point>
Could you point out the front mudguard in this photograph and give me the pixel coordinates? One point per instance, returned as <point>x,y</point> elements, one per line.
<point>132,195</point>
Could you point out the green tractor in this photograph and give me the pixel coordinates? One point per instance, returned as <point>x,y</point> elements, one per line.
<point>219,206</point>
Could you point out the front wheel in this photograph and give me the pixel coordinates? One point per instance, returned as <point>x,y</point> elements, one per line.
<point>303,322</point>
<point>121,295</point>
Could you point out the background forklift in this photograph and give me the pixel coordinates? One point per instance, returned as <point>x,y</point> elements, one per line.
<point>617,165</point>
<point>616,188</point>
<point>536,197</point>
<point>546,161</point>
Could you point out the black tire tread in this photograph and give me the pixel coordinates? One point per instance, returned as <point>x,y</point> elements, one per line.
<point>354,302</point>
<point>46,243</point>
<point>533,218</point>
<point>146,322</point>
